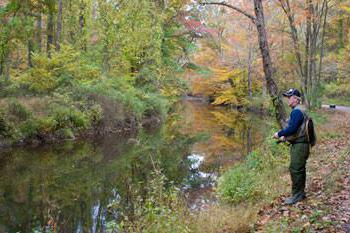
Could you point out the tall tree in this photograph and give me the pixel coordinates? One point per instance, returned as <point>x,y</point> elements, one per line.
<point>259,22</point>
<point>4,49</point>
<point>38,32</point>
<point>250,65</point>
<point>50,28</point>
<point>315,12</point>
<point>82,25</point>
<point>59,25</point>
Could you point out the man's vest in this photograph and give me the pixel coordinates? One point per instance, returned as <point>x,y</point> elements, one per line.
<point>300,135</point>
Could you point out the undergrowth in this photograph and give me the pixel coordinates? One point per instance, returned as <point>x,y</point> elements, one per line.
<point>250,180</point>
<point>159,208</point>
<point>61,96</point>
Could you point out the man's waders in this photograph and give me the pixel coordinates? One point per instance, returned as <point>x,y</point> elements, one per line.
<point>299,153</point>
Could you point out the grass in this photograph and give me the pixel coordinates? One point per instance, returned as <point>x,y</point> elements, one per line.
<point>318,117</point>
<point>224,218</point>
<point>344,101</point>
<point>249,180</point>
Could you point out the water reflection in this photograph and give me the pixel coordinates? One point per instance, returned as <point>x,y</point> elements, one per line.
<point>197,178</point>
<point>80,186</point>
<point>70,186</point>
<point>232,134</point>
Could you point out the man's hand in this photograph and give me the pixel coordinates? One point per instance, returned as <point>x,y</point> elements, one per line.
<point>275,136</point>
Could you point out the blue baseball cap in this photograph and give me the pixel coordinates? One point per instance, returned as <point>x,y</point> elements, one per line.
<point>292,92</point>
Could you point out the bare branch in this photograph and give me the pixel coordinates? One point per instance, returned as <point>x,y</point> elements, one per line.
<point>232,7</point>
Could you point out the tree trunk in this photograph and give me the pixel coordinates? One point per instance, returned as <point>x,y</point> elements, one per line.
<point>341,33</point>
<point>295,39</point>
<point>322,43</point>
<point>82,25</point>
<point>307,51</point>
<point>81,20</point>
<point>259,21</point>
<point>313,49</point>
<point>59,25</point>
<point>71,32</point>
<point>105,59</point>
<point>319,74</point>
<point>250,64</point>
<point>267,63</point>
<point>50,31</point>
<point>38,32</point>
<point>30,51</point>
<point>312,69</point>
<point>264,88</point>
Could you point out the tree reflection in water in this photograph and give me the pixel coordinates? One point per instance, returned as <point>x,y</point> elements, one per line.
<point>80,186</point>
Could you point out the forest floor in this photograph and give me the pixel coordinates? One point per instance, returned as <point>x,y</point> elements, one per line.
<point>327,206</point>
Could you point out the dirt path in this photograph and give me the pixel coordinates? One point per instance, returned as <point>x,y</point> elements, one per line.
<point>327,208</point>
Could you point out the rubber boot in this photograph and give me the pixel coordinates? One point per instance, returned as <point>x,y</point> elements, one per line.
<point>295,198</point>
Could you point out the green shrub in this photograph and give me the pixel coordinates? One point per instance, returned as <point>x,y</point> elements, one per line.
<point>17,110</point>
<point>238,184</point>
<point>38,126</point>
<point>243,182</point>
<point>255,160</point>
<point>155,104</point>
<point>8,88</point>
<point>30,128</point>
<point>79,120</point>
<point>46,125</point>
<point>120,90</point>
<point>337,90</point>
<point>4,127</point>
<point>61,116</point>
<point>7,128</point>
<point>66,117</point>
<point>95,113</point>
<point>160,209</point>
<point>64,68</point>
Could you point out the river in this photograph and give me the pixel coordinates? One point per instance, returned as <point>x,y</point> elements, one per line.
<point>71,185</point>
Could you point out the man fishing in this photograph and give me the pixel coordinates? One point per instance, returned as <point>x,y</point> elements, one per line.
<point>295,134</point>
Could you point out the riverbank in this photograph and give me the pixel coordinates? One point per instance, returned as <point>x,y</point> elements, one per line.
<point>258,193</point>
<point>69,94</point>
<point>253,191</point>
<point>124,165</point>
<point>327,207</point>
<point>77,112</point>
<point>245,191</point>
